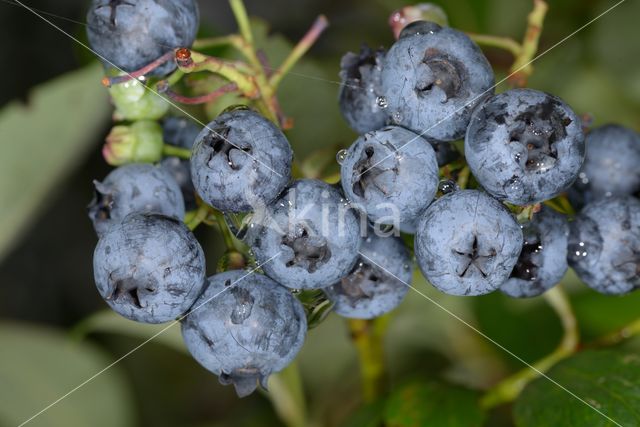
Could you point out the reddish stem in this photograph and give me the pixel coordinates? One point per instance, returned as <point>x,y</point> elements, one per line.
<point>163,88</point>
<point>110,81</point>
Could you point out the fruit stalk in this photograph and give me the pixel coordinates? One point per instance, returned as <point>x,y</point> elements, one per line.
<point>511,387</point>
<point>505,43</point>
<point>368,337</point>
<point>321,23</point>
<point>522,68</point>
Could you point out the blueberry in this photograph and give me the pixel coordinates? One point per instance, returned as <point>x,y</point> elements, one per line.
<point>133,33</point>
<point>524,146</point>
<point>134,188</point>
<point>604,245</point>
<point>391,175</point>
<point>241,161</point>
<point>543,260</point>
<point>379,281</point>
<point>610,166</point>
<point>432,79</point>
<point>243,328</point>
<point>181,132</point>
<point>312,233</point>
<point>149,268</point>
<point>467,243</point>
<point>180,170</point>
<point>361,103</point>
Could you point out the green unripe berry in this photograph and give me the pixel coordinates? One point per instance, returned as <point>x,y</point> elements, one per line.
<point>140,142</point>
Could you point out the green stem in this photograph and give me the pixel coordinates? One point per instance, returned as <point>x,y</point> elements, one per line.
<point>173,151</point>
<point>463,177</point>
<point>368,337</point>
<point>522,68</point>
<point>237,72</point>
<point>614,338</point>
<point>320,24</point>
<point>505,43</point>
<point>287,396</point>
<point>224,230</point>
<point>242,18</point>
<point>200,215</point>
<point>509,388</point>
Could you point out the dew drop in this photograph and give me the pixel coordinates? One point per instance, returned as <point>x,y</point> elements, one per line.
<point>341,156</point>
<point>382,102</point>
<point>447,186</point>
<point>396,117</point>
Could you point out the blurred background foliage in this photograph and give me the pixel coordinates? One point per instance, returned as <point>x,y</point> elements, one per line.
<point>53,118</point>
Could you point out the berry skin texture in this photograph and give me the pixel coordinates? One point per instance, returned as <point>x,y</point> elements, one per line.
<point>243,328</point>
<point>610,166</point>
<point>308,239</point>
<point>360,91</point>
<point>524,146</point>
<point>137,187</point>
<point>240,162</point>
<point>391,175</point>
<point>604,245</point>
<point>467,243</point>
<point>130,34</point>
<point>543,260</point>
<point>149,268</point>
<point>378,284</point>
<point>432,79</point>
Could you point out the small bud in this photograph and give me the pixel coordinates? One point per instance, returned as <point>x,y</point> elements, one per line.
<point>140,142</point>
<point>419,12</point>
<point>134,101</point>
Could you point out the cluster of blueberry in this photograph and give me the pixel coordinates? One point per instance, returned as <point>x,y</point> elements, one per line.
<point>523,147</point>
<point>434,84</point>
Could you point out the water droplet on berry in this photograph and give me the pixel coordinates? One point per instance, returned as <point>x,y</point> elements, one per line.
<point>381,102</point>
<point>396,117</point>
<point>341,156</point>
<point>447,186</point>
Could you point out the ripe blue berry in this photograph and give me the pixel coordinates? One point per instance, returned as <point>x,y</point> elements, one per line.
<point>149,268</point>
<point>432,79</point>
<point>309,238</point>
<point>134,188</point>
<point>379,282</point>
<point>543,260</point>
<point>467,243</point>
<point>391,175</point>
<point>243,328</point>
<point>181,132</point>
<point>241,161</point>
<point>604,245</point>
<point>610,166</point>
<point>360,92</point>
<point>524,146</point>
<point>133,33</point>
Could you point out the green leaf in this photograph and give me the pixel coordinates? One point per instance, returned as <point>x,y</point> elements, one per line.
<point>39,366</point>
<point>608,381</point>
<point>109,322</point>
<point>42,141</point>
<point>433,404</point>
<point>532,315</point>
